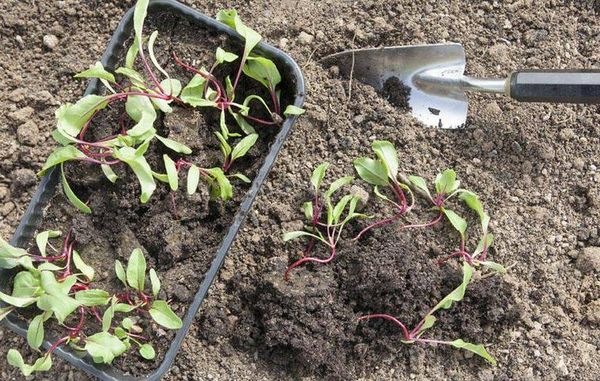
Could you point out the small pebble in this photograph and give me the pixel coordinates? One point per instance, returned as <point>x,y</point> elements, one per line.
<point>305,38</point>
<point>50,41</point>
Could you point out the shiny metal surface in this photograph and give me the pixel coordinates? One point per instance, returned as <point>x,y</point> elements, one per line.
<point>433,73</point>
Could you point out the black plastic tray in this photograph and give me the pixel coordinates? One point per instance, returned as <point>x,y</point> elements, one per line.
<point>292,84</point>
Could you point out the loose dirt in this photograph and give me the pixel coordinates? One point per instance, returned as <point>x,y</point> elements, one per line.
<point>534,166</point>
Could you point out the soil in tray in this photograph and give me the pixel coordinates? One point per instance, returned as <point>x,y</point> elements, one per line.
<point>179,234</point>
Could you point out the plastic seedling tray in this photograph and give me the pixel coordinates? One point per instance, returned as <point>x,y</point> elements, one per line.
<point>292,85</point>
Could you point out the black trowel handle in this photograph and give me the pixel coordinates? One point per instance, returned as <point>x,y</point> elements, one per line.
<point>556,86</point>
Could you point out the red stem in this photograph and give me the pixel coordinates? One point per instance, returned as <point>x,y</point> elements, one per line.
<point>405,333</point>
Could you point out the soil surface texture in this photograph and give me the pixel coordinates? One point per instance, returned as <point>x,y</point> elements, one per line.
<point>536,168</point>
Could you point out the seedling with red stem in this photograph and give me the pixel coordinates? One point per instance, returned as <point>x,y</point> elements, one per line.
<point>61,285</point>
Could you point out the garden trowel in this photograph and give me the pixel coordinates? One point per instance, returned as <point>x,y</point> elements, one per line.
<point>430,81</point>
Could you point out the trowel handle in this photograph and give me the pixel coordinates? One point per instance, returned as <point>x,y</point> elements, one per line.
<point>555,86</point>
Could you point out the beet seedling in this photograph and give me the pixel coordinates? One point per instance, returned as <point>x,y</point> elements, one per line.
<point>60,285</point>
<point>330,231</point>
<point>142,95</point>
<point>415,335</point>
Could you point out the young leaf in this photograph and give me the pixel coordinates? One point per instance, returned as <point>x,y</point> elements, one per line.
<point>243,146</point>
<point>61,305</point>
<point>477,349</point>
<point>104,347</point>
<point>92,298</point>
<point>318,175</point>
<point>427,323</point>
<point>241,177</point>
<point>133,76</point>
<point>71,118</point>
<point>264,71</point>
<point>242,123</point>
<point>15,359</point>
<point>223,188</point>
<point>73,199</point>
<point>59,156</point>
<point>136,270</point>
<point>127,323</point>
<point>372,171</point>
<point>97,71</point>
<point>42,240</point>
<point>170,87</point>
<point>458,293</point>
<point>223,56</point>
<point>486,241</point>
<point>175,145</point>
<point>497,267</point>
<point>26,285</point>
<point>120,271</point>
<point>386,152</point>
<point>139,14</point>
<point>17,301</point>
<point>193,178</point>
<point>5,311</point>
<point>109,173</point>
<point>445,182</point>
<point>293,110</point>
<point>147,351</point>
<point>141,168</point>
<point>307,207</point>
<point>140,109</point>
<point>225,147</point>
<point>172,174</point>
<point>86,270</point>
<point>457,221</point>
<point>337,184</point>
<point>193,93</point>
<point>109,314</point>
<point>473,202</point>
<point>293,235</point>
<point>231,18</point>
<point>163,315</point>
<point>126,308</point>
<point>132,53</point>
<point>420,184</point>
<point>155,282</point>
<point>151,41</point>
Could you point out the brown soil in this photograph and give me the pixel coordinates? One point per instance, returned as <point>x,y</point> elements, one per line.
<point>534,166</point>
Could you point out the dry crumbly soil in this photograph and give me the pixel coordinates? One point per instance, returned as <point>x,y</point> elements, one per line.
<point>534,166</point>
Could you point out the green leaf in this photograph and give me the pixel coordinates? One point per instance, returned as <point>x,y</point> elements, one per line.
<point>162,314</point>
<point>127,323</point>
<point>223,188</point>
<point>17,301</point>
<point>225,147</point>
<point>445,182</point>
<point>5,311</point>
<point>243,146</point>
<point>61,305</point>
<point>193,93</point>
<point>242,177</point>
<point>457,221</point>
<point>307,207</point>
<point>15,359</point>
<point>293,110</point>
<point>109,173</point>
<point>372,171</point>
<point>170,87</point>
<point>497,267</point>
<point>231,18</point>
<point>339,208</point>
<point>35,331</point>
<point>141,168</point>
<point>42,240</point>
<point>193,178</point>
<point>175,145</point>
<point>92,298</point>
<point>487,240</point>
<point>97,71</point>
<point>26,285</point>
<point>136,270</point>
<point>49,267</point>
<point>133,76</point>
<point>52,286</point>
<point>458,293</point>
<point>477,349</point>
<point>151,41</point>
<point>59,156</point>
<point>296,234</point>
<point>140,109</point>
<point>109,314</point>
<point>139,15</point>
<point>73,199</point>
<point>473,202</point>
<point>147,351</point>
<point>172,174</point>
<point>337,184</point>
<point>104,347</point>
<point>85,269</point>
<point>386,152</point>
<point>120,271</point>
<point>132,53</point>
<point>72,117</point>
<point>264,71</point>
<point>223,56</point>
<point>318,175</point>
<point>427,323</point>
<point>242,123</point>
<point>155,282</point>
<point>126,308</point>
<point>420,184</point>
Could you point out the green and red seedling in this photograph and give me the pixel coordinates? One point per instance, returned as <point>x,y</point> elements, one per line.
<point>324,217</point>
<point>61,285</point>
